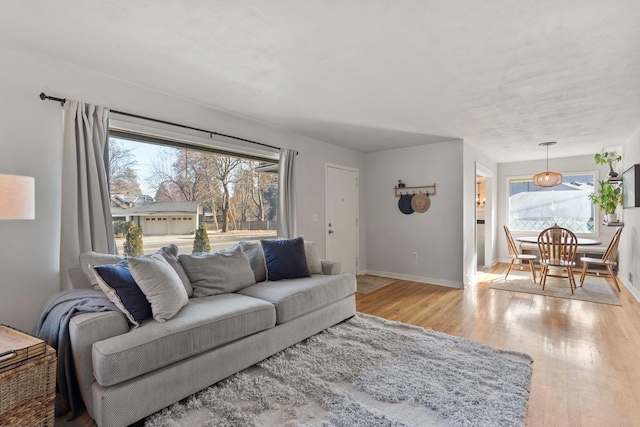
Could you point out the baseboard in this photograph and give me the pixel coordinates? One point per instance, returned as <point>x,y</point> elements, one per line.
<point>419,279</point>
<point>635,292</point>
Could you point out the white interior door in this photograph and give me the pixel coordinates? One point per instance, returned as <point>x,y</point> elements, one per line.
<point>342,216</point>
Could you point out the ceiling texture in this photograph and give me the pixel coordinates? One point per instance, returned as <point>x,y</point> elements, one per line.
<point>370,75</point>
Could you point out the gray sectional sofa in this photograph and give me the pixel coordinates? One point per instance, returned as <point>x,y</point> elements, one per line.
<point>126,373</point>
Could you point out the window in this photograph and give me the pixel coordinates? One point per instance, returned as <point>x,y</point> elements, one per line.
<point>155,183</point>
<point>533,208</point>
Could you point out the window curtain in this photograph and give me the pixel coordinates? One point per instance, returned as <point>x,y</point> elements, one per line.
<point>286,195</point>
<point>86,223</point>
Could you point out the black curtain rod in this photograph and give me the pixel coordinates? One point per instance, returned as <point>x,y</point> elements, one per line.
<point>211,133</point>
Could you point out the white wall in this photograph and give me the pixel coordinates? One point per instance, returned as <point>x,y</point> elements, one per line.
<point>435,235</point>
<point>565,165</point>
<point>629,249</point>
<point>30,143</point>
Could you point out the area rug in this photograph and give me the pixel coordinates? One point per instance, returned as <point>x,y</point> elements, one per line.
<point>595,289</point>
<point>368,283</point>
<point>367,371</point>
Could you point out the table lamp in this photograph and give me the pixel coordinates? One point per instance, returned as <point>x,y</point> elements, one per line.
<point>17,197</point>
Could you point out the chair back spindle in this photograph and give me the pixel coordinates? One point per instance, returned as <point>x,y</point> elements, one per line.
<point>558,247</point>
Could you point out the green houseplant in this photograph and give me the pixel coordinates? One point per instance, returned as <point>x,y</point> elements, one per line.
<point>608,197</point>
<point>608,158</point>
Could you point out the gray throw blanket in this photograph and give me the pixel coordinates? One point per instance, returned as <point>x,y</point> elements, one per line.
<point>53,327</point>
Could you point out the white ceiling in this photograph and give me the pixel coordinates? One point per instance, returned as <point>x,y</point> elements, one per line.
<point>371,75</point>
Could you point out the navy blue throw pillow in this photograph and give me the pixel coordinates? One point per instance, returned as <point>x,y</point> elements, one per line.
<point>117,283</point>
<point>285,259</point>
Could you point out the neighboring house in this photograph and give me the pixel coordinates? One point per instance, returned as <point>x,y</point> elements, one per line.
<point>159,218</point>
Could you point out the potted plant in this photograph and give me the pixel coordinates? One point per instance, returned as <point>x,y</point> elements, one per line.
<point>401,184</point>
<point>608,197</point>
<point>608,158</point>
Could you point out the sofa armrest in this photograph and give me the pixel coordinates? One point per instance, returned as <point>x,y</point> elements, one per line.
<point>331,267</point>
<point>84,330</point>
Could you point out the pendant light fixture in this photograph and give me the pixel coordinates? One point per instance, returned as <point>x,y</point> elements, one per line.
<point>547,179</point>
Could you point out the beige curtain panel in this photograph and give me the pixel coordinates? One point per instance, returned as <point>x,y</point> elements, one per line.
<point>286,195</point>
<point>86,215</point>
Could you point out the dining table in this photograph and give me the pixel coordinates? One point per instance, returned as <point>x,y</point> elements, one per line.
<point>582,241</point>
<point>582,249</point>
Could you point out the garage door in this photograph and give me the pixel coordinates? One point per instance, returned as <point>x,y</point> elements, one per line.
<point>182,225</point>
<point>156,226</point>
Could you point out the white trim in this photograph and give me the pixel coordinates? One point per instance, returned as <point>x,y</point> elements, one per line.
<point>633,291</point>
<point>419,279</point>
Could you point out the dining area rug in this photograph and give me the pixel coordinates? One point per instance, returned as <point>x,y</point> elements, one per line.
<point>367,371</point>
<point>594,289</point>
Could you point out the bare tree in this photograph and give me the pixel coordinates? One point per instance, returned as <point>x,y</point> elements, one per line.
<point>122,174</point>
<point>176,174</point>
<point>223,168</point>
<point>210,179</point>
<point>262,182</point>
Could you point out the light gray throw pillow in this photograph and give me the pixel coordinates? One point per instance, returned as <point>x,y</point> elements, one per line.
<point>213,273</point>
<point>253,251</point>
<point>169,252</point>
<point>160,284</point>
<point>313,257</point>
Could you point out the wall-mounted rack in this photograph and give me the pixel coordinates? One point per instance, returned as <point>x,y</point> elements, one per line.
<point>430,190</point>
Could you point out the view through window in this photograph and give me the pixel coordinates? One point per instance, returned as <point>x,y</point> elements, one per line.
<point>533,208</point>
<point>169,192</point>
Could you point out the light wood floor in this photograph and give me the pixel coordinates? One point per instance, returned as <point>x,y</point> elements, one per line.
<point>586,369</point>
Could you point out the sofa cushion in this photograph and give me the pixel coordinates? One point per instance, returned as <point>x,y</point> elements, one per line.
<point>160,284</point>
<point>253,251</point>
<point>118,284</point>
<point>169,253</point>
<point>213,273</point>
<point>296,297</point>
<point>285,259</point>
<point>205,323</point>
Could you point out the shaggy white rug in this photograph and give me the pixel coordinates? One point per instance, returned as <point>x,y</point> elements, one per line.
<point>367,371</point>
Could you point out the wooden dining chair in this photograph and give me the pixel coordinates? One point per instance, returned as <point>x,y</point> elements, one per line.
<point>514,254</point>
<point>558,247</point>
<point>608,260</point>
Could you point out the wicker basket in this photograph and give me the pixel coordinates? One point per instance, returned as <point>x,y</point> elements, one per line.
<point>28,392</point>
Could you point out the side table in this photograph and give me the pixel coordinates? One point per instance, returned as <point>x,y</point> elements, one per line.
<point>28,392</point>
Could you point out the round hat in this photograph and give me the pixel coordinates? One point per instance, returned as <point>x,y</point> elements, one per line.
<point>420,203</point>
<point>404,204</point>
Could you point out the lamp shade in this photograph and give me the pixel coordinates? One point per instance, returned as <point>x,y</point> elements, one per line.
<point>17,197</point>
<point>547,179</point>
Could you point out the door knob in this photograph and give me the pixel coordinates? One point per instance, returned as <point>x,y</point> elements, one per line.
<point>330,231</point>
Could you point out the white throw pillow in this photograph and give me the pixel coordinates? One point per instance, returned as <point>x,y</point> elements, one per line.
<point>160,284</point>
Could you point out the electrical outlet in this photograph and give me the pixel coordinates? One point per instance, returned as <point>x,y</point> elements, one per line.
<point>415,256</point>
<point>315,217</point>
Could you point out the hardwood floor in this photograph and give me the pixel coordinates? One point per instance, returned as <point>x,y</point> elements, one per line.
<point>586,369</point>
